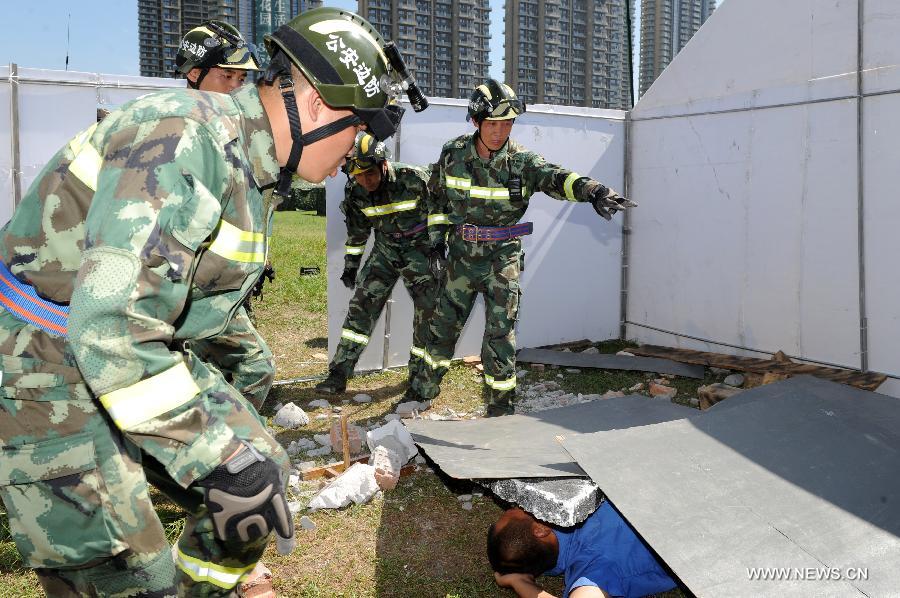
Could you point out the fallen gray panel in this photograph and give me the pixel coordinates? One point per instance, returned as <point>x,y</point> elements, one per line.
<point>610,362</point>
<point>525,446</point>
<point>801,473</point>
<point>561,501</point>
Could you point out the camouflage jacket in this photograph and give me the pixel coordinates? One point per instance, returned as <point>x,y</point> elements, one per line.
<point>469,190</point>
<point>399,205</point>
<point>152,225</point>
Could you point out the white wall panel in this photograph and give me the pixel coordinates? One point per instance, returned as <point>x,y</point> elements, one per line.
<point>882,52</point>
<point>6,177</point>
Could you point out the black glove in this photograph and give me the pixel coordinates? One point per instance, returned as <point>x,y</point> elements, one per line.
<point>268,273</point>
<point>246,499</point>
<point>349,276</point>
<point>607,202</point>
<point>437,261</point>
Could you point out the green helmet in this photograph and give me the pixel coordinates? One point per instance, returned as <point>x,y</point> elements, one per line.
<point>493,100</point>
<point>367,153</point>
<point>215,43</point>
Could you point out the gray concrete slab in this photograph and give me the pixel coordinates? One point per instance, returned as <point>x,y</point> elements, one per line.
<point>801,475</point>
<point>560,501</point>
<point>610,362</point>
<point>526,446</point>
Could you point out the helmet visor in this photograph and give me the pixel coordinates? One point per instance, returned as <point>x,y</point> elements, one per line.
<point>507,109</point>
<point>243,57</point>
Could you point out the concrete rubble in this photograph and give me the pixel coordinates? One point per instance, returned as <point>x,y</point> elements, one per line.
<point>713,393</point>
<point>323,439</point>
<point>591,351</point>
<point>387,467</point>
<point>291,416</point>
<point>396,437</point>
<point>355,434</point>
<point>362,398</point>
<point>319,404</point>
<point>558,501</point>
<point>407,408</point>
<point>662,391</point>
<point>734,380</point>
<point>356,485</point>
<point>307,523</point>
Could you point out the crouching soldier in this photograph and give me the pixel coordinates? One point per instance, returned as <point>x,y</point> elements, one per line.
<point>392,199</point>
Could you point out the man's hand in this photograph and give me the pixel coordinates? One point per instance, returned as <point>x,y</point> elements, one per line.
<point>245,496</point>
<point>349,277</point>
<point>607,202</point>
<point>437,261</point>
<point>522,584</point>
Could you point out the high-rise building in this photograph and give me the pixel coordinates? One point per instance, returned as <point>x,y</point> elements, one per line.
<point>162,23</point>
<point>571,52</point>
<point>445,43</point>
<point>666,27</point>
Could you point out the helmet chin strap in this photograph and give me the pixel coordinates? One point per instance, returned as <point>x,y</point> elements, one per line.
<point>298,139</point>
<point>196,84</point>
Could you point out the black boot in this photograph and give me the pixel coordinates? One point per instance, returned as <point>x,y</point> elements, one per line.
<point>501,403</point>
<point>334,384</point>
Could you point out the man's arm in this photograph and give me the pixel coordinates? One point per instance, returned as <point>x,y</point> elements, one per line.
<point>522,584</point>
<point>438,205</point>
<point>358,229</point>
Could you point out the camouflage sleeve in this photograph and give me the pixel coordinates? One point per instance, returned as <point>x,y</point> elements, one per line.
<point>243,357</point>
<point>155,203</point>
<point>438,204</point>
<point>556,181</point>
<point>358,228</point>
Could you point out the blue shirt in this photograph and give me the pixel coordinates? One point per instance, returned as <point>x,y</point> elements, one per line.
<point>604,552</point>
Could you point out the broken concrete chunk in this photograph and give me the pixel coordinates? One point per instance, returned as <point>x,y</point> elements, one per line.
<point>637,387</point>
<point>734,380</point>
<point>320,356</point>
<point>355,435</point>
<point>357,485</point>
<point>322,416</point>
<point>559,501</point>
<point>409,407</point>
<point>323,439</point>
<point>387,467</point>
<point>713,393</point>
<point>319,452</point>
<point>662,391</point>
<point>591,351</point>
<point>467,506</point>
<point>291,416</point>
<point>362,398</point>
<point>319,404</point>
<point>396,437</point>
<point>307,523</point>
<point>521,373</point>
<point>625,354</point>
<point>573,371</point>
<point>612,394</point>
<point>719,371</point>
<point>464,498</point>
<point>538,367</point>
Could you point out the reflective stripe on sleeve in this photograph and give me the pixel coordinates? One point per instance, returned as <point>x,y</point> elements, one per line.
<point>508,384</point>
<point>151,397</point>
<point>417,351</point>
<point>206,571</point>
<point>87,161</point>
<point>436,219</point>
<point>238,245</point>
<point>390,208</point>
<point>567,186</point>
<point>355,337</point>
<point>355,249</point>
<point>458,183</point>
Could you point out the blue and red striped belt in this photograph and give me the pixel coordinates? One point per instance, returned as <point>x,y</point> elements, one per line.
<point>23,303</point>
<point>476,234</point>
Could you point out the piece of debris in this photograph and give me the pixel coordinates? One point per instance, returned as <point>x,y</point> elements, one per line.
<point>538,367</point>
<point>391,417</point>
<point>337,409</point>
<point>560,376</point>
<point>464,498</point>
<point>479,367</point>
<point>320,356</point>
<point>319,452</point>
<point>409,407</point>
<point>719,371</point>
<point>319,404</point>
<point>355,435</point>
<point>467,506</point>
<point>362,398</point>
<point>387,467</point>
<point>662,391</point>
<point>734,380</point>
<point>770,377</point>
<point>694,402</point>
<point>637,387</point>
<point>521,373</point>
<point>781,357</point>
<point>573,371</point>
<point>625,354</point>
<point>559,501</point>
<point>309,270</point>
<point>612,394</point>
<point>323,416</point>
<point>305,465</point>
<point>472,360</point>
<point>713,393</point>
<point>291,416</point>
<point>277,406</point>
<point>396,437</point>
<point>323,439</point>
<point>591,351</point>
<point>356,485</point>
<point>307,523</point>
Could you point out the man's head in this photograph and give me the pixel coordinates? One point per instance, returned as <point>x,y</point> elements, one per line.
<point>367,161</point>
<point>333,78</point>
<point>519,543</point>
<point>493,107</point>
<point>214,57</point>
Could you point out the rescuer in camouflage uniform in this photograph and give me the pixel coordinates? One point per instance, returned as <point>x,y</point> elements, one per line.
<point>214,57</point>
<point>480,189</point>
<point>391,198</point>
<point>142,233</point>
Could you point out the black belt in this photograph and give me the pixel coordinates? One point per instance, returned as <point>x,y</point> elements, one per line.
<point>407,233</point>
<point>475,233</point>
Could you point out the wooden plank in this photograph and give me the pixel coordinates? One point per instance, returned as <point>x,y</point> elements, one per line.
<point>865,381</point>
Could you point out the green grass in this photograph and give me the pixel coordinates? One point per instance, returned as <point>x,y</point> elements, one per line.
<point>415,541</point>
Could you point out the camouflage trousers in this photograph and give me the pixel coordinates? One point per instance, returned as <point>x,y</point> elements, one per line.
<point>76,490</point>
<point>385,265</point>
<point>242,356</point>
<point>491,269</point>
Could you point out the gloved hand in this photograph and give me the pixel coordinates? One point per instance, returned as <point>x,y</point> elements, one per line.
<point>246,499</point>
<point>268,273</point>
<point>607,202</point>
<point>349,277</point>
<point>437,261</point>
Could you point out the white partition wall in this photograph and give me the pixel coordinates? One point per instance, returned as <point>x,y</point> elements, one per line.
<point>572,261</point>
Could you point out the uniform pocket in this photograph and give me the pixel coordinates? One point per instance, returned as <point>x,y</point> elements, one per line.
<point>55,498</point>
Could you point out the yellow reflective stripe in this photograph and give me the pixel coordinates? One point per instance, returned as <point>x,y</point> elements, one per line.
<point>362,339</point>
<point>390,208</point>
<point>567,186</point>
<point>435,363</point>
<point>457,183</point>
<point>417,351</point>
<point>438,219</point>
<point>489,192</point>
<point>151,397</point>
<point>87,161</point>
<point>205,571</point>
<point>238,245</point>
<point>364,143</point>
<point>484,89</point>
<point>355,249</point>
<point>508,384</point>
